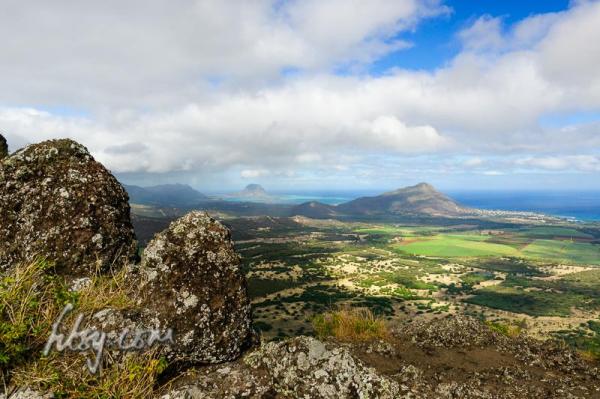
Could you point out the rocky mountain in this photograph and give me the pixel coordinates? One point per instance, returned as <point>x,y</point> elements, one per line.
<point>315,210</point>
<point>253,193</point>
<point>172,195</point>
<point>421,200</point>
<point>253,190</point>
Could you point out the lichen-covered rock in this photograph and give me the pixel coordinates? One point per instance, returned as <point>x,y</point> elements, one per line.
<point>301,367</point>
<point>227,381</point>
<point>305,367</point>
<point>3,147</point>
<point>191,282</point>
<point>57,202</point>
<point>455,332</point>
<point>27,393</point>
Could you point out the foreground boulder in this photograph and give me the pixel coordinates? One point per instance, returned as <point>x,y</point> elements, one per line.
<point>192,283</point>
<point>3,147</point>
<point>57,202</point>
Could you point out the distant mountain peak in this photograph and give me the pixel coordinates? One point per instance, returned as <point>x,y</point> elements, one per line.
<point>421,199</point>
<point>424,186</point>
<point>254,193</point>
<point>254,188</point>
<point>417,188</point>
<point>174,194</point>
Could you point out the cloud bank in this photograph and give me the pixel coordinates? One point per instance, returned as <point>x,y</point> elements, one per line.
<point>283,88</point>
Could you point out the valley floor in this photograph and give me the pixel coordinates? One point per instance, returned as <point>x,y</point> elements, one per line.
<point>539,279</point>
<point>542,280</point>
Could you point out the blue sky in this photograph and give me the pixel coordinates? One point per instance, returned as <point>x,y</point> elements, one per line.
<point>435,41</point>
<point>312,94</point>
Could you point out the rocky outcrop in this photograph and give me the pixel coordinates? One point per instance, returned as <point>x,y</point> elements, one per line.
<point>57,202</point>
<point>191,281</point>
<point>306,367</point>
<point>3,147</point>
<point>301,367</point>
<point>456,357</point>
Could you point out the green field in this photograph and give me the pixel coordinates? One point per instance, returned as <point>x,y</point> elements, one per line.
<point>533,303</point>
<point>478,245</point>
<point>564,251</point>
<point>467,245</point>
<point>391,230</point>
<point>553,231</point>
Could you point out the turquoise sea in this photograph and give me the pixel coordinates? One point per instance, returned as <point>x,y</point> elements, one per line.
<point>583,205</point>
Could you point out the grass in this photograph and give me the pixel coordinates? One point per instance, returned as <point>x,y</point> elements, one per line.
<point>402,277</point>
<point>319,298</point>
<point>350,325</point>
<point>475,278</point>
<point>508,265</point>
<point>29,301</point>
<point>67,377</point>
<point>392,230</point>
<point>566,251</point>
<point>552,231</point>
<point>586,339</point>
<point>533,303</point>
<point>536,297</point>
<point>510,330</point>
<point>262,287</point>
<point>468,245</point>
<point>31,297</point>
<point>477,245</point>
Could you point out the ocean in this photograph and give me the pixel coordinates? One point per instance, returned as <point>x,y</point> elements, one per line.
<point>584,206</point>
<point>581,205</point>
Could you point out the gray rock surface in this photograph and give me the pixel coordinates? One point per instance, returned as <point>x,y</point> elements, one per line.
<point>301,367</point>
<point>456,357</point>
<point>191,281</point>
<point>305,367</point>
<point>27,393</point>
<point>57,202</point>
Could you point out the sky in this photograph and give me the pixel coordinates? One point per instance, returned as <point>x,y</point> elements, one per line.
<point>313,94</point>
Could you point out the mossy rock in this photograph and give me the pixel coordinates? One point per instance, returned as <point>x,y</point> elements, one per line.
<point>57,202</point>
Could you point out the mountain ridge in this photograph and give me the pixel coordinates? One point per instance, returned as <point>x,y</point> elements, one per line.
<point>177,195</point>
<point>420,199</point>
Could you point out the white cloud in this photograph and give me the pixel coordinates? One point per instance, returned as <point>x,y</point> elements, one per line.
<point>253,173</point>
<point>473,162</point>
<point>484,34</point>
<point>387,132</point>
<point>569,55</point>
<point>493,173</point>
<point>153,53</point>
<point>199,87</point>
<point>586,163</point>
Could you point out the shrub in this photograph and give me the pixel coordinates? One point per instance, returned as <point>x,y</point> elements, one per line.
<point>350,325</point>
<point>509,330</point>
